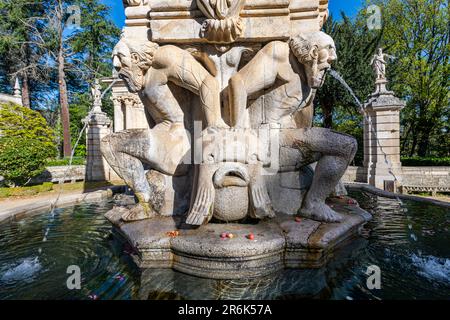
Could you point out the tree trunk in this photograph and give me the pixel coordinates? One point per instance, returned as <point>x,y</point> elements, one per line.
<point>424,143</point>
<point>413,145</point>
<point>62,86</point>
<point>327,109</point>
<point>26,91</point>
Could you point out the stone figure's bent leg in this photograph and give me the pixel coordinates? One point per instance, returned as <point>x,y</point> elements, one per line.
<point>260,73</point>
<point>202,207</point>
<point>191,75</point>
<point>125,151</point>
<point>335,151</point>
<point>209,93</point>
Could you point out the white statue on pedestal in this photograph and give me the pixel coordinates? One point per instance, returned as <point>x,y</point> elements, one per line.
<point>379,63</point>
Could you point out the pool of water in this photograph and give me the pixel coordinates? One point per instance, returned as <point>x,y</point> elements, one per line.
<point>409,242</point>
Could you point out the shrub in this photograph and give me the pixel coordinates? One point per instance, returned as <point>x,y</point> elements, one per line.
<point>65,162</point>
<point>428,161</point>
<point>26,142</point>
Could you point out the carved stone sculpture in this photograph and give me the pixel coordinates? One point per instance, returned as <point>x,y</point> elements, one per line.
<point>229,182</point>
<point>147,69</point>
<point>228,87</point>
<point>223,24</point>
<point>298,68</point>
<point>378,63</point>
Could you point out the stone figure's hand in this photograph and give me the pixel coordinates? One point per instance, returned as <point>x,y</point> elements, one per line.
<point>202,208</point>
<point>140,211</point>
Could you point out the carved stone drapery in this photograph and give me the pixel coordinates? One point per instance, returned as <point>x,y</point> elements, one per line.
<point>223,24</point>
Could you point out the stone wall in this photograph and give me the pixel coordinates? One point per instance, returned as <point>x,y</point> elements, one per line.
<point>62,174</point>
<point>413,178</point>
<point>10,98</point>
<point>426,176</point>
<point>355,174</point>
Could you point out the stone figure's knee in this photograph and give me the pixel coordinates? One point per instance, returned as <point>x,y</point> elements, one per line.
<point>235,82</point>
<point>104,144</point>
<point>352,146</point>
<point>109,144</point>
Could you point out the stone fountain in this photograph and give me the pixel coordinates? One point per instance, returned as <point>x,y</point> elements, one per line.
<point>230,180</point>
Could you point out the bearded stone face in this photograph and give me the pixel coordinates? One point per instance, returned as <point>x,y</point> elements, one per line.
<point>316,52</point>
<point>127,66</point>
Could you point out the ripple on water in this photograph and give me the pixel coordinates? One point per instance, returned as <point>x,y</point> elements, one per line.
<point>409,242</point>
<point>433,268</point>
<point>77,235</point>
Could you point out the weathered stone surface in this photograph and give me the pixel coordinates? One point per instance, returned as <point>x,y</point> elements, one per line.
<point>228,87</point>
<point>203,252</point>
<point>382,130</point>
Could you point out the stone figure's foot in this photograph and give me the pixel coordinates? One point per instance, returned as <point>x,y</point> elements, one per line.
<point>163,126</point>
<point>140,211</point>
<point>213,129</point>
<point>202,209</point>
<point>262,206</point>
<point>221,124</point>
<point>320,212</point>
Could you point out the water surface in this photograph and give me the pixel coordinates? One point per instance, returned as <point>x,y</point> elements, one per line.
<point>409,242</point>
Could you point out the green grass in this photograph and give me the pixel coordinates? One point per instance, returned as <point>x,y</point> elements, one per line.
<point>26,191</point>
<point>48,187</point>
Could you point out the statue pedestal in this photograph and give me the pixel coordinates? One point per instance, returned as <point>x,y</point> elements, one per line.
<point>278,243</point>
<point>382,140</point>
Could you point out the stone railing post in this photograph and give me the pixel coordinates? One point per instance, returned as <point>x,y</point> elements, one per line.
<point>99,126</point>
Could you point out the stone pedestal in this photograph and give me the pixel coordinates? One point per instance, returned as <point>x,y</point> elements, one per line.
<point>99,126</point>
<point>382,138</point>
<point>279,243</point>
<point>16,97</point>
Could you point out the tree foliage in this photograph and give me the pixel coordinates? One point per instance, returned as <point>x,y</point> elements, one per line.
<point>68,57</point>
<point>417,32</point>
<point>26,142</point>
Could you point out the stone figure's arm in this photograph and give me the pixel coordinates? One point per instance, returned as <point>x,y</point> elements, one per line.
<point>184,70</point>
<point>390,57</point>
<point>304,117</point>
<point>160,101</point>
<point>269,64</point>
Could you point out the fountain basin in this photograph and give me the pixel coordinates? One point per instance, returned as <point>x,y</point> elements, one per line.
<point>202,252</point>
<point>409,243</point>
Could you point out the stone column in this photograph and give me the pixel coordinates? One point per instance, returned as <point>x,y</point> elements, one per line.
<point>118,114</point>
<point>99,125</point>
<point>129,119</point>
<point>382,139</point>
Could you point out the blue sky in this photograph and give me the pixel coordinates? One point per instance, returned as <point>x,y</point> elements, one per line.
<point>350,7</point>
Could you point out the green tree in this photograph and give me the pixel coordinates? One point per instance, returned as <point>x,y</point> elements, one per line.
<point>354,46</point>
<point>26,142</point>
<point>417,32</point>
<point>70,55</point>
<point>18,50</point>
